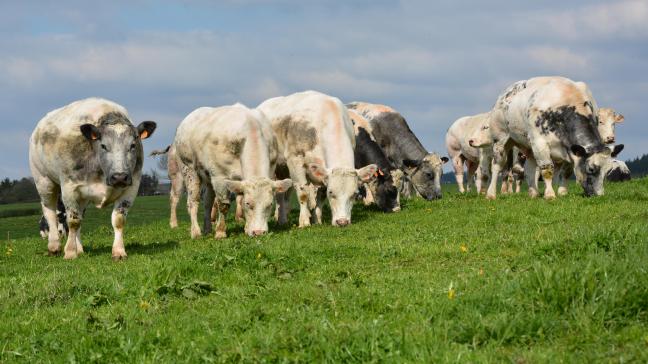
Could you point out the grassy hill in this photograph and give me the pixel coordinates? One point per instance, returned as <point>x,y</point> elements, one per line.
<point>461,279</point>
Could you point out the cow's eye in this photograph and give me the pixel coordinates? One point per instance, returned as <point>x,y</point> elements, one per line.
<point>132,147</point>
<point>249,204</point>
<point>104,147</point>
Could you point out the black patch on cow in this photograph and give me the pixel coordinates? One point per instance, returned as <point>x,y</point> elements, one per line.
<point>49,136</point>
<point>571,127</point>
<point>113,118</point>
<point>618,175</point>
<point>123,207</point>
<point>235,146</point>
<point>505,100</point>
<point>297,132</point>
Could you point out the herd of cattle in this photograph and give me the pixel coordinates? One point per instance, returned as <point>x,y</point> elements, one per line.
<point>312,143</point>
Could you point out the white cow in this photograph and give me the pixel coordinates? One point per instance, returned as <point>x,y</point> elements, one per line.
<point>316,141</point>
<point>553,120</point>
<point>462,151</point>
<point>87,152</point>
<point>223,149</point>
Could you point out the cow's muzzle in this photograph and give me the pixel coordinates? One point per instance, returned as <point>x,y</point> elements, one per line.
<point>120,180</point>
<point>342,222</point>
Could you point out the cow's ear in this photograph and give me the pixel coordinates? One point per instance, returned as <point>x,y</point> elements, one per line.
<point>367,173</point>
<point>411,163</point>
<point>317,172</point>
<point>618,118</point>
<point>282,186</point>
<point>444,160</point>
<point>234,186</point>
<point>578,150</point>
<point>90,132</point>
<point>617,149</point>
<point>145,129</point>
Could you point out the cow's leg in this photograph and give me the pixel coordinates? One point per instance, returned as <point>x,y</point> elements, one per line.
<point>484,172</point>
<point>49,193</point>
<point>208,205</point>
<point>118,220</point>
<point>74,210</point>
<point>518,183</point>
<point>193,199</point>
<point>300,183</point>
<point>369,198</point>
<point>505,183</point>
<point>319,201</point>
<point>239,208</point>
<point>498,163</point>
<point>283,207</point>
<point>542,156</point>
<point>532,174</point>
<point>177,184</point>
<point>472,170</point>
<point>458,166</point>
<point>221,207</point>
<point>566,171</point>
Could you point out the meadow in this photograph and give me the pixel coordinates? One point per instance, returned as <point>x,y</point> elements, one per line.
<point>460,279</point>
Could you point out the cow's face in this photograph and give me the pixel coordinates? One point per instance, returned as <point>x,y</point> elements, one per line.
<point>385,192</point>
<point>591,168</point>
<point>425,175</point>
<point>341,187</point>
<point>482,137</point>
<point>258,195</point>
<point>607,119</point>
<point>118,148</point>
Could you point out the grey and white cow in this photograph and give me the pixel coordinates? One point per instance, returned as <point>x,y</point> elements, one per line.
<point>553,120</point>
<point>87,152</point>
<point>422,170</point>
<point>316,142</point>
<point>229,149</point>
<point>619,172</point>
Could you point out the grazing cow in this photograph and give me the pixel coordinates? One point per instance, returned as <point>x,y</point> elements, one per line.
<point>228,149</point>
<point>61,218</point>
<point>174,170</point>
<point>383,189</point>
<point>619,172</point>
<point>553,120</point>
<point>461,150</point>
<point>423,170</point>
<point>87,152</point>
<point>316,142</point>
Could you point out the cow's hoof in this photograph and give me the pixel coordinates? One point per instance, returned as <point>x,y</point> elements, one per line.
<point>117,256</point>
<point>54,253</point>
<point>195,234</point>
<point>562,191</point>
<point>549,197</point>
<point>491,197</point>
<point>70,255</point>
<point>220,235</point>
<point>173,225</point>
<point>533,194</point>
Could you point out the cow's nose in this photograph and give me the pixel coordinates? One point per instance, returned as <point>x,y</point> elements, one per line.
<point>258,232</point>
<point>342,222</point>
<point>610,140</point>
<point>120,179</point>
<point>470,142</point>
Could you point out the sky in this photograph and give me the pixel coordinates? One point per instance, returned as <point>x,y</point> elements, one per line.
<point>433,61</point>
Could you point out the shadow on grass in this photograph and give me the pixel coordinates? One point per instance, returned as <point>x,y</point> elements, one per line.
<point>137,248</point>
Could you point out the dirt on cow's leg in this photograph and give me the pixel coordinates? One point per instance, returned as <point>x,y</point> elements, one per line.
<point>222,205</point>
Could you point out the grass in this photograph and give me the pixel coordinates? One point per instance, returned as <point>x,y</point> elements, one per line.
<point>461,279</point>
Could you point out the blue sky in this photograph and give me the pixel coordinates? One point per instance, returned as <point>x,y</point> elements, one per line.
<point>434,61</point>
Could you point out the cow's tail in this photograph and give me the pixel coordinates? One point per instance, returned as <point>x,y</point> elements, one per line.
<point>157,152</point>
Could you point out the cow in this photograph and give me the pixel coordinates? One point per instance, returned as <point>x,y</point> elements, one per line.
<point>174,171</point>
<point>383,190</point>
<point>462,152</point>
<point>87,152</point>
<point>422,170</point>
<point>61,218</point>
<point>228,149</point>
<point>619,172</point>
<point>607,119</point>
<point>316,142</point>
<point>553,120</point>
<point>513,175</point>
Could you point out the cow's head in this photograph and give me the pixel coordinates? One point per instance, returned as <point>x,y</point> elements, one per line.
<point>425,175</point>
<point>341,187</point>
<point>607,119</point>
<point>385,191</point>
<point>481,137</point>
<point>591,167</point>
<point>258,195</point>
<point>118,147</point>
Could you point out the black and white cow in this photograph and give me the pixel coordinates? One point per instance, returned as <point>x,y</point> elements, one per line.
<point>553,120</point>
<point>423,170</point>
<point>87,152</point>
<point>384,189</point>
<point>61,218</point>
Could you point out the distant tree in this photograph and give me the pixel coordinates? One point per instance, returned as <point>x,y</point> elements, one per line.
<point>23,190</point>
<point>148,184</point>
<point>638,166</point>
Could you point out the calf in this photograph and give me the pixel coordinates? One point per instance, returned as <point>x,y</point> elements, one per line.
<point>316,142</point>
<point>60,218</point>
<point>383,189</point>
<point>87,152</point>
<point>553,120</point>
<point>423,170</point>
<point>229,148</point>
